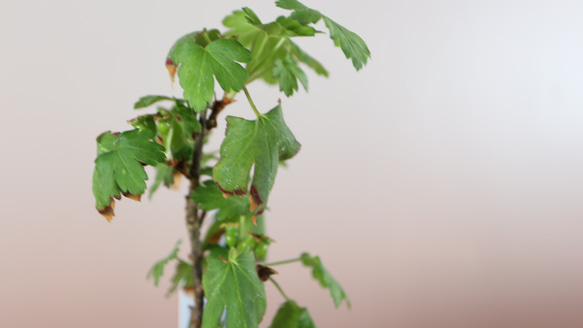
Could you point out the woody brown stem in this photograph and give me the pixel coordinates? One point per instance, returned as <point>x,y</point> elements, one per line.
<point>194,217</point>
<point>217,107</point>
<point>193,225</point>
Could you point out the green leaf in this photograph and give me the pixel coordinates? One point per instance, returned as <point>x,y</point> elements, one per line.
<point>350,43</point>
<point>239,24</point>
<point>251,16</point>
<point>261,143</point>
<point>118,166</point>
<point>233,286</point>
<point>290,315</point>
<point>149,100</point>
<point>325,278</point>
<point>179,143</point>
<point>144,122</point>
<point>183,276</point>
<point>288,73</point>
<point>198,65</point>
<point>210,197</point>
<point>187,118</point>
<point>158,269</point>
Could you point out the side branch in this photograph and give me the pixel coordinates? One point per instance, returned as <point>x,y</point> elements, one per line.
<point>217,107</point>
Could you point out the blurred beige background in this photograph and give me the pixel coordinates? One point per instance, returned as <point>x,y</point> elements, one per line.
<point>442,185</point>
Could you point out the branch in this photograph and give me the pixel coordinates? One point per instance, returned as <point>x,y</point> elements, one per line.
<point>217,107</point>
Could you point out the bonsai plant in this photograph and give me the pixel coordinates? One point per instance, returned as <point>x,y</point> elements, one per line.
<point>231,189</point>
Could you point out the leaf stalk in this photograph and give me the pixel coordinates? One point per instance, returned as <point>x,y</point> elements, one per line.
<point>282,262</point>
<point>279,288</point>
<point>251,102</point>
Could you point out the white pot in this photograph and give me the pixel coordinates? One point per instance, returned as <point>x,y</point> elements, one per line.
<point>185,301</point>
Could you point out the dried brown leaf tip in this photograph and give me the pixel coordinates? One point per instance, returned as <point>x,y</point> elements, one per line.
<point>264,272</point>
<point>107,212</point>
<point>177,176</point>
<point>256,202</point>
<point>137,198</point>
<point>171,67</point>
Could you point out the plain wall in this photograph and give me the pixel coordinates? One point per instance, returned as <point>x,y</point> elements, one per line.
<point>441,185</point>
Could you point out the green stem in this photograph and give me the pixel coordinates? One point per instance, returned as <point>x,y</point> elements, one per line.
<point>244,227</point>
<point>279,288</point>
<point>251,102</point>
<point>282,262</point>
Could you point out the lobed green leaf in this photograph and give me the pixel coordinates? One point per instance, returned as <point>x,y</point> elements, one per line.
<point>149,100</point>
<point>351,44</point>
<point>187,118</point>
<point>235,287</point>
<point>288,72</point>
<point>261,143</point>
<point>210,197</point>
<point>325,278</point>
<point>200,66</point>
<point>118,166</point>
<point>157,269</point>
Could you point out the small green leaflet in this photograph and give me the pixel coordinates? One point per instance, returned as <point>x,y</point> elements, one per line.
<point>198,65</point>
<point>235,286</point>
<point>158,269</point>
<point>261,143</point>
<point>290,315</point>
<point>351,44</point>
<point>325,278</point>
<point>118,166</point>
<point>288,73</point>
<point>149,100</point>
<point>210,197</point>
<point>187,118</point>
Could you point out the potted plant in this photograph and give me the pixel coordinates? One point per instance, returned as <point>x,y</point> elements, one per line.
<point>226,269</point>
